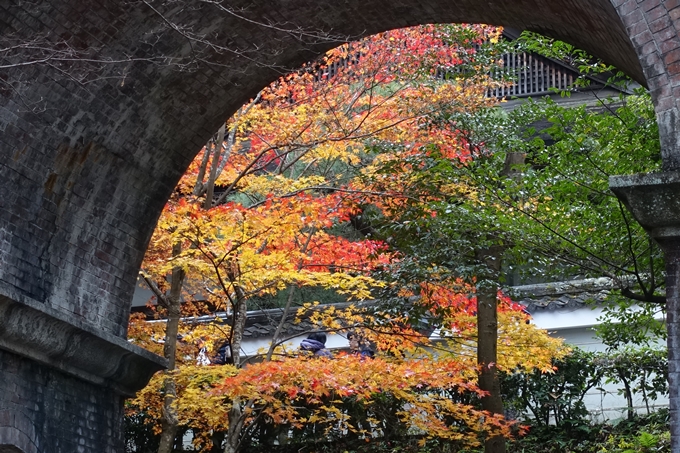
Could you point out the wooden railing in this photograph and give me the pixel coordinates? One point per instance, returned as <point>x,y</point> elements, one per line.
<point>534,76</point>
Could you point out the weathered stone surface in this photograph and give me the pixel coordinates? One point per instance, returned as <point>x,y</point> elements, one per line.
<point>44,410</point>
<point>30,329</point>
<point>672,251</point>
<point>654,200</point>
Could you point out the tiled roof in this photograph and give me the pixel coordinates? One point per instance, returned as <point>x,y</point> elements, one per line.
<point>568,294</point>
<point>538,297</point>
<point>262,323</point>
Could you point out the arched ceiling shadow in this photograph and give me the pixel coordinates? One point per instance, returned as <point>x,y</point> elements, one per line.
<point>88,165</point>
<point>281,33</point>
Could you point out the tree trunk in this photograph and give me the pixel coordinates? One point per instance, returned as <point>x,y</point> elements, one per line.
<point>240,312</point>
<point>487,342</point>
<point>210,186</point>
<point>487,326</point>
<point>199,187</point>
<point>628,394</point>
<point>168,418</point>
<point>236,416</point>
<point>487,319</point>
<point>236,420</point>
<point>169,422</point>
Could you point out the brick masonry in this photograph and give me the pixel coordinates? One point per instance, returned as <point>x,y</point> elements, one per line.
<point>653,29</point>
<point>42,410</point>
<point>654,200</point>
<point>95,161</point>
<point>91,149</point>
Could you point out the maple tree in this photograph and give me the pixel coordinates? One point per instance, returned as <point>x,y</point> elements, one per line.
<point>265,208</point>
<point>431,390</point>
<point>234,253</point>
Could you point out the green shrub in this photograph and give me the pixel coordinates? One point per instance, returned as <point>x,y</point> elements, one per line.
<point>555,398</point>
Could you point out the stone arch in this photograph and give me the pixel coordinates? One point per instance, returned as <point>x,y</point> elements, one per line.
<point>13,440</point>
<point>94,162</point>
<point>91,150</point>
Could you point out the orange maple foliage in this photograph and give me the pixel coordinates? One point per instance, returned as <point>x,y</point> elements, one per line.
<point>452,329</point>
<point>334,397</point>
<point>380,89</point>
<point>294,170</point>
<point>282,241</point>
<point>421,386</point>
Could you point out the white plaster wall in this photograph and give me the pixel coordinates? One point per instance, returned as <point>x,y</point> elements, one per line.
<point>575,326</point>
<point>252,346</point>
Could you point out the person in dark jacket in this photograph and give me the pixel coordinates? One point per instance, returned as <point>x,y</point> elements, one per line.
<point>316,344</point>
<point>359,345</point>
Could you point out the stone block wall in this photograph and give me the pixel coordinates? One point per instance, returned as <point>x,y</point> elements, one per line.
<point>43,410</point>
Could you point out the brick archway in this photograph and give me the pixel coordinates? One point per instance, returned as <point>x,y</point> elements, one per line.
<point>90,151</point>
<point>87,167</point>
<point>14,440</point>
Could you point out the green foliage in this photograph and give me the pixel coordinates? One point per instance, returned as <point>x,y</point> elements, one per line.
<point>587,65</point>
<point>558,420</point>
<point>557,212</point>
<point>642,371</point>
<point>569,219</point>
<point>625,323</point>
<point>644,434</point>
<point>555,398</point>
<point>554,215</point>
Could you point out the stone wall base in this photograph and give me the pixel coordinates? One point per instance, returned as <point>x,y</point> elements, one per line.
<point>43,410</point>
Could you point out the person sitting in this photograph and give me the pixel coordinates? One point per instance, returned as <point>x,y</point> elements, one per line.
<point>222,355</point>
<point>203,358</point>
<point>316,344</point>
<point>359,345</point>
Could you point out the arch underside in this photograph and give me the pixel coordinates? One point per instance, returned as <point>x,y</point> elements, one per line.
<point>91,150</point>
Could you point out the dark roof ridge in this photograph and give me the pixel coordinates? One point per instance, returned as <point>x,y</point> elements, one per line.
<point>562,287</point>
<point>277,313</point>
